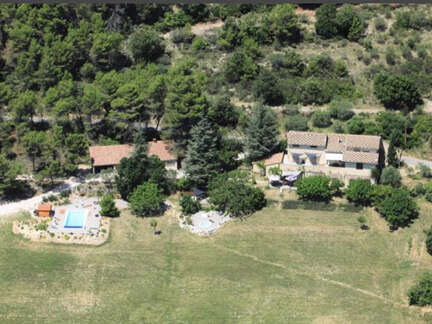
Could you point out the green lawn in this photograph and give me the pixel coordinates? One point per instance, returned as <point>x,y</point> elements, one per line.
<point>278,266</point>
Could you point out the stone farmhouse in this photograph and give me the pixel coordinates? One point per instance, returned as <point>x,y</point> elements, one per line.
<point>342,156</point>
<point>109,156</point>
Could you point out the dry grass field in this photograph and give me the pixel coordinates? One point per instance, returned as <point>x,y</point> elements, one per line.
<point>278,266</point>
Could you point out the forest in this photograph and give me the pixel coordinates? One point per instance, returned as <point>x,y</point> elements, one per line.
<point>78,75</point>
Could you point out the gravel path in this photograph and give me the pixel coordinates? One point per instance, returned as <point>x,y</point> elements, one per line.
<point>411,161</point>
<point>30,204</point>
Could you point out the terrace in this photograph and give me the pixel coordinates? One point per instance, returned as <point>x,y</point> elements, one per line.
<point>81,217</point>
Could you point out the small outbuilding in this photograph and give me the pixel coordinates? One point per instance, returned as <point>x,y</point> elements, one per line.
<point>198,193</point>
<point>44,210</point>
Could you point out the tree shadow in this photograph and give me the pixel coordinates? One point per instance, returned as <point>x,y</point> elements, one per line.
<point>21,190</point>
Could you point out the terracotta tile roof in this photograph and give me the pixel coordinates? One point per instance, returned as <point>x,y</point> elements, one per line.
<point>161,149</point>
<point>44,207</point>
<point>360,157</point>
<point>336,143</point>
<point>274,159</point>
<point>109,154</point>
<point>363,142</point>
<point>307,138</point>
<point>104,155</point>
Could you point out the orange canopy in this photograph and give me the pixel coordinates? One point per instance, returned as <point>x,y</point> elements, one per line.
<point>45,207</point>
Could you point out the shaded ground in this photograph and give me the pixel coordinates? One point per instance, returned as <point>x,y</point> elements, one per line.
<point>278,266</point>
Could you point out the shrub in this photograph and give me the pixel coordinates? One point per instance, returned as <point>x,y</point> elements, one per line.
<point>181,35</point>
<point>108,207</point>
<point>189,205</point>
<point>275,171</point>
<point>52,197</point>
<point>359,192</point>
<point>321,119</point>
<point>406,52</point>
<point>428,195</point>
<point>65,193</point>
<point>42,226</point>
<point>421,293</point>
<point>297,122</point>
<point>145,44</point>
<point>183,184</point>
<point>199,44</point>
<point>418,190</point>
<point>390,56</point>
<point>399,209</point>
<point>380,24</point>
<point>147,199</point>
<point>356,125</point>
<point>381,39</point>
<point>313,91</point>
<point>380,192</point>
<point>338,127</point>
<point>361,219</point>
<point>429,241</point>
<point>231,193</point>
<point>425,171</point>
<point>240,67</point>
<point>397,91</point>
<point>336,186</point>
<point>341,109</point>
<point>391,176</point>
<point>267,87</point>
<point>314,188</point>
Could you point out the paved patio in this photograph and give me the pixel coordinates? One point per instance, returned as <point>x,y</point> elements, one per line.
<point>93,220</point>
<point>205,223</point>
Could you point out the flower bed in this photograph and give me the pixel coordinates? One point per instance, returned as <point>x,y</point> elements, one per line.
<point>37,230</point>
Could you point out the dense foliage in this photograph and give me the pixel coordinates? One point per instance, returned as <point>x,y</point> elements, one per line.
<point>261,133</point>
<point>397,92</point>
<point>360,192</point>
<point>72,76</point>
<point>147,200</point>
<point>136,170</point>
<point>421,293</point>
<point>399,209</point>
<point>233,193</point>
<point>108,207</point>
<point>429,241</point>
<point>202,159</point>
<point>391,176</point>
<point>189,205</point>
<point>315,188</point>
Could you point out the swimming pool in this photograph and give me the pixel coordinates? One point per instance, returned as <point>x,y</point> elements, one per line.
<point>205,224</point>
<point>75,219</point>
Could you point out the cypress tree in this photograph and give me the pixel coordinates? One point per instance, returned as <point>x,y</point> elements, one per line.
<point>261,133</point>
<point>202,157</point>
<point>392,158</point>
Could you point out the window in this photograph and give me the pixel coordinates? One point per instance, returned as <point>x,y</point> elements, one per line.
<point>314,146</point>
<point>295,145</point>
<point>359,166</point>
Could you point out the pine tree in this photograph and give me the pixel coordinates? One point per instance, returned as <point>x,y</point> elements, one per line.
<point>392,158</point>
<point>261,133</point>
<point>141,145</point>
<point>202,158</point>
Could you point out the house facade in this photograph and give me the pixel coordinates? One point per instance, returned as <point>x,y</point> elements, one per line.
<point>109,156</point>
<point>342,156</point>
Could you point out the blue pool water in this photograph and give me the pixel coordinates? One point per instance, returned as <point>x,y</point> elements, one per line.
<point>205,224</point>
<point>75,219</point>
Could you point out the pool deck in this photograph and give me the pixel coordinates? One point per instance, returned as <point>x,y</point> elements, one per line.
<point>91,224</point>
<point>206,223</point>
